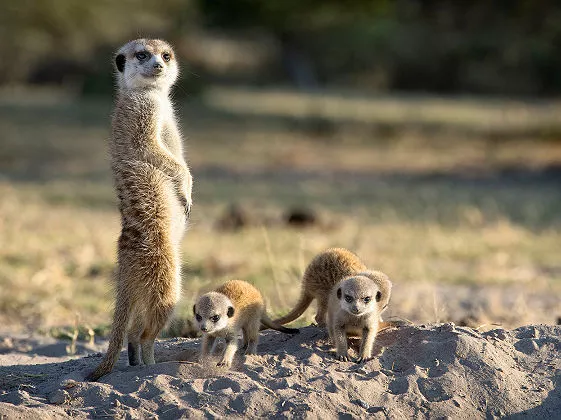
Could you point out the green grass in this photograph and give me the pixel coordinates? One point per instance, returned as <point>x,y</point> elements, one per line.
<point>448,208</point>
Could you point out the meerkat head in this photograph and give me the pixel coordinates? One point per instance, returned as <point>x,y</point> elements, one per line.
<point>384,287</point>
<point>212,312</point>
<point>146,64</point>
<point>357,295</point>
<point>364,292</point>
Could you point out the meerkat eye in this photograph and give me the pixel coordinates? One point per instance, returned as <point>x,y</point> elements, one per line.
<point>199,318</point>
<point>348,298</point>
<point>215,318</point>
<point>166,57</point>
<point>367,299</point>
<point>141,56</point>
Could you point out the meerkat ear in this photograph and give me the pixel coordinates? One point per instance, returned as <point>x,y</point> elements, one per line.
<point>378,296</point>
<point>195,309</point>
<point>230,312</point>
<point>120,62</point>
<point>339,293</point>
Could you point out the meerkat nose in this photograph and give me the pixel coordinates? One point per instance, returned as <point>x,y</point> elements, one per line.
<point>158,65</point>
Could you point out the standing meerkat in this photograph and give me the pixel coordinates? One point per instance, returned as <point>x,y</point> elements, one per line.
<point>324,271</point>
<point>234,307</point>
<point>153,185</point>
<point>355,306</point>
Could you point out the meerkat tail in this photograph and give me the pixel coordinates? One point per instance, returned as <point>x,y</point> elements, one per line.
<point>301,306</point>
<point>268,322</point>
<point>118,333</point>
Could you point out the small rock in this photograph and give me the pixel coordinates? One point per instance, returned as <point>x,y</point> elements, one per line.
<point>373,410</point>
<point>362,404</point>
<point>284,372</point>
<point>59,397</point>
<point>448,327</point>
<point>361,370</point>
<point>69,383</point>
<point>500,334</point>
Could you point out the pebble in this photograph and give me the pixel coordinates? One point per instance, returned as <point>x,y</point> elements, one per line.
<point>59,397</point>
<point>284,372</point>
<point>449,327</point>
<point>362,403</point>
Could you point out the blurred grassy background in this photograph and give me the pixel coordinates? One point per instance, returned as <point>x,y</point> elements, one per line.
<point>295,108</point>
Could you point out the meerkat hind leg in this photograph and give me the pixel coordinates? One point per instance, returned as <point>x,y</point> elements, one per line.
<point>148,352</point>
<point>133,337</point>
<point>133,350</point>
<point>156,320</point>
<point>321,312</point>
<point>252,339</point>
<point>245,341</point>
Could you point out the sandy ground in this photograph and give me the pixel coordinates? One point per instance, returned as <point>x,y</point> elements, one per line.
<point>426,371</point>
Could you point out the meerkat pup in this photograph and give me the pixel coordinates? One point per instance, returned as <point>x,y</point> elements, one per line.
<point>324,271</point>
<point>153,185</point>
<point>234,307</point>
<point>355,306</point>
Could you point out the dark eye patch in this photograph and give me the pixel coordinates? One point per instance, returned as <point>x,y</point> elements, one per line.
<point>367,299</point>
<point>348,298</point>
<point>199,318</point>
<point>141,56</point>
<point>166,57</point>
<point>215,318</point>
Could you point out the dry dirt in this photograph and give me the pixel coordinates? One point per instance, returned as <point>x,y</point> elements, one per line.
<point>424,371</point>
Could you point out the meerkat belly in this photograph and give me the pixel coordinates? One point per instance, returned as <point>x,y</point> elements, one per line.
<point>148,204</point>
<point>353,331</point>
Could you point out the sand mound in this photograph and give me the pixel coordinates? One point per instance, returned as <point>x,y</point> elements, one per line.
<point>422,371</point>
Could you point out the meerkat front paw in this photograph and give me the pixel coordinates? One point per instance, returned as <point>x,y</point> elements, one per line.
<point>363,359</point>
<point>224,363</point>
<point>343,358</point>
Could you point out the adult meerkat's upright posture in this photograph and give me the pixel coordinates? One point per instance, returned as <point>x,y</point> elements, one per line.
<point>323,272</point>
<point>234,307</point>
<point>153,184</point>
<point>355,306</point>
